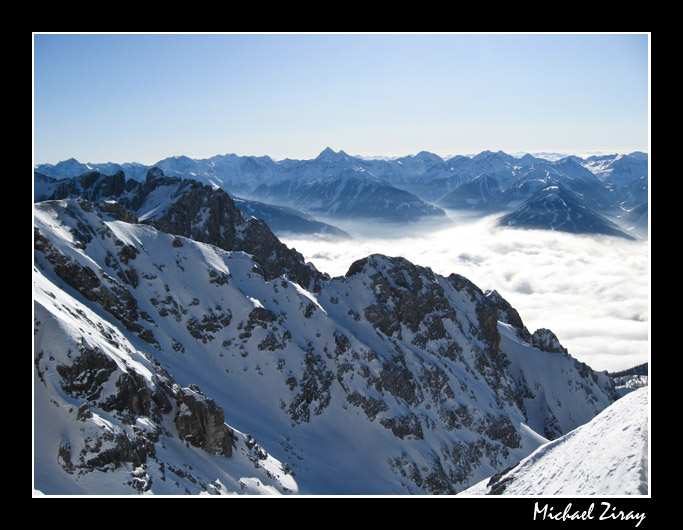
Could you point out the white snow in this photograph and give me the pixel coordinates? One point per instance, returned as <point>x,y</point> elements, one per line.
<point>607,456</point>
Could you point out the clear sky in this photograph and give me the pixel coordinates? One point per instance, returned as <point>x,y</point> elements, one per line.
<point>144,97</point>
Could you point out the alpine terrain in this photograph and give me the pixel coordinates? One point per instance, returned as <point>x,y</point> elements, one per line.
<point>338,189</point>
<point>181,348</point>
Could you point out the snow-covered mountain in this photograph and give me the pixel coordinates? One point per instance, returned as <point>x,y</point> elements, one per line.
<point>556,208</point>
<point>618,171</point>
<point>190,209</point>
<point>608,456</point>
<point>179,347</point>
<point>72,168</point>
<point>482,193</point>
<point>239,175</point>
<point>352,194</point>
<point>411,188</point>
<point>286,221</point>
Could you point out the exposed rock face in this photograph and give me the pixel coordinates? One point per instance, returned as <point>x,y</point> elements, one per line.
<point>91,186</point>
<point>508,314</point>
<point>403,298</point>
<point>545,340</point>
<point>201,422</point>
<point>94,285</point>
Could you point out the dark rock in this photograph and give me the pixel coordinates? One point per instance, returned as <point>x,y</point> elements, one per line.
<point>501,430</point>
<point>116,211</point>
<point>314,389</point>
<point>111,295</point>
<point>202,423</point>
<point>406,426</point>
<point>87,373</point>
<point>546,340</point>
<point>509,315</point>
<point>395,378</point>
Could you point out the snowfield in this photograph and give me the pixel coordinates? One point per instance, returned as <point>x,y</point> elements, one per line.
<point>607,456</point>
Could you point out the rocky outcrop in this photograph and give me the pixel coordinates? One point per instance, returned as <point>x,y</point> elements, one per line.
<point>508,314</point>
<point>209,215</point>
<point>201,422</point>
<point>407,297</point>
<point>546,340</point>
<point>91,185</point>
<point>543,338</point>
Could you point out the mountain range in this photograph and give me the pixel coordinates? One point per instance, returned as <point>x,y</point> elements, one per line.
<point>181,348</point>
<point>337,188</point>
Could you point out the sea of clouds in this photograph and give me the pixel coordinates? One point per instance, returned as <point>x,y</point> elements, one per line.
<point>593,292</point>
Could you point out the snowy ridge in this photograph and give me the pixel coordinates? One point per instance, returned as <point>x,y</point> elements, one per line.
<point>165,365</point>
<point>607,456</point>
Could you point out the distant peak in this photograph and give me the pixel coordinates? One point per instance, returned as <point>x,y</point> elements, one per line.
<point>329,154</point>
<point>492,154</point>
<point>328,151</point>
<point>426,155</point>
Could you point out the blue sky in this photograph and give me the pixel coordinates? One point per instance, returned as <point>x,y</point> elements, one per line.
<point>142,98</point>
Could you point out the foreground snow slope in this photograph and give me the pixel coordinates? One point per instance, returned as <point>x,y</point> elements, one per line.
<point>607,456</point>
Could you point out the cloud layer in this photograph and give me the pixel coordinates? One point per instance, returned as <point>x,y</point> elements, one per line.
<point>593,292</point>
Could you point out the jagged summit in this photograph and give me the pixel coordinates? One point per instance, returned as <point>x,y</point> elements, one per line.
<point>493,155</point>
<point>153,174</point>
<point>328,154</point>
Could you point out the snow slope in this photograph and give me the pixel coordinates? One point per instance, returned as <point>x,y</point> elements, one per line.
<point>607,456</point>
<point>85,440</point>
<point>168,366</point>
